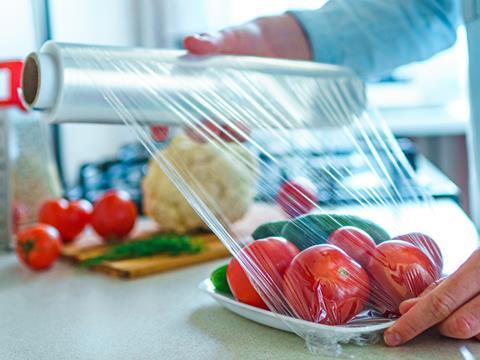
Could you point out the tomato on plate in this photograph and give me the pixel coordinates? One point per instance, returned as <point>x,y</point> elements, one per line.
<point>114,215</point>
<point>355,242</point>
<point>399,271</point>
<point>272,256</point>
<point>325,285</point>
<point>427,245</point>
<point>38,246</point>
<point>297,197</point>
<point>69,218</point>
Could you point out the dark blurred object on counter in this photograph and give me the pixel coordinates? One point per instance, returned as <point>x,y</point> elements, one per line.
<point>125,172</point>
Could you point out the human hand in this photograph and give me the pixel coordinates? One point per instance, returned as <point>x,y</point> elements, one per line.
<point>453,304</point>
<point>274,36</point>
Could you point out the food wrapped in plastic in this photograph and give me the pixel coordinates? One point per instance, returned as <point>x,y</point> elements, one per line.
<point>329,227</point>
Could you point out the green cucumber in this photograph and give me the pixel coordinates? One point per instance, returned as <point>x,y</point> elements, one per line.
<point>269,229</point>
<point>314,229</point>
<point>219,280</point>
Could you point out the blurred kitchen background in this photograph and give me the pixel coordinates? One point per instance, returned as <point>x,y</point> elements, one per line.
<point>424,102</point>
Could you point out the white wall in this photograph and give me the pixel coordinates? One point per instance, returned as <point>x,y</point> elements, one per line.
<point>107,22</point>
<point>16,29</point>
<point>243,10</point>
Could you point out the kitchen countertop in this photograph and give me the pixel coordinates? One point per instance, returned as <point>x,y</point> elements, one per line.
<point>70,313</point>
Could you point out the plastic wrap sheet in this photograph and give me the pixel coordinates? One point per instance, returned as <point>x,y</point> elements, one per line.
<point>254,139</point>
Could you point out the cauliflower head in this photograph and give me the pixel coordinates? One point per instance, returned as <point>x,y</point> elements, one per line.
<point>222,175</point>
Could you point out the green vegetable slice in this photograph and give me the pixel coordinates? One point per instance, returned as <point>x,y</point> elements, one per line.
<point>314,229</point>
<point>269,229</point>
<point>219,280</point>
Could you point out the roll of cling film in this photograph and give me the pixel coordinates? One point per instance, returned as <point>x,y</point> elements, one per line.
<point>256,151</point>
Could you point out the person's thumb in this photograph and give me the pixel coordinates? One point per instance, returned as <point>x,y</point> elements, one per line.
<point>203,44</point>
<point>245,39</point>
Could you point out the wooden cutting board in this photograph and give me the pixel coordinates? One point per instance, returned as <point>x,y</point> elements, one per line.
<point>89,245</point>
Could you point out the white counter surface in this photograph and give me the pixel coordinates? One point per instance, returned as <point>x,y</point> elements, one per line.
<point>69,313</point>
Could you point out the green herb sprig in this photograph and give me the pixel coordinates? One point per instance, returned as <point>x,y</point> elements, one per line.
<point>157,244</point>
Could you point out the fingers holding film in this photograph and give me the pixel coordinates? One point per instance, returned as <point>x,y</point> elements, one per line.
<point>437,305</point>
<point>408,304</point>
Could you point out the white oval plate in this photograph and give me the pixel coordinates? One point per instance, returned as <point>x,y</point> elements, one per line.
<point>287,323</point>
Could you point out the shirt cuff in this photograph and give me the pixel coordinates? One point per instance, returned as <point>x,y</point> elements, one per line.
<point>323,42</point>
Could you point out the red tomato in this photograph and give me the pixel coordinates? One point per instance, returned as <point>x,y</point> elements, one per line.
<point>297,197</point>
<point>38,246</point>
<point>238,132</point>
<point>159,133</point>
<point>69,218</point>
<point>355,242</point>
<point>399,271</point>
<point>114,215</point>
<point>427,245</point>
<point>203,133</point>
<point>325,285</point>
<point>272,257</point>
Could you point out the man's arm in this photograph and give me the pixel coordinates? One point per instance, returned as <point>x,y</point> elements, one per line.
<point>375,37</point>
<point>370,36</point>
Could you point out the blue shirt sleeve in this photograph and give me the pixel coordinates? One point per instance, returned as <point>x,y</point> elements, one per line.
<point>375,36</point>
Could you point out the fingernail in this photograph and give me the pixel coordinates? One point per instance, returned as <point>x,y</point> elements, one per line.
<point>392,339</point>
<point>203,36</point>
